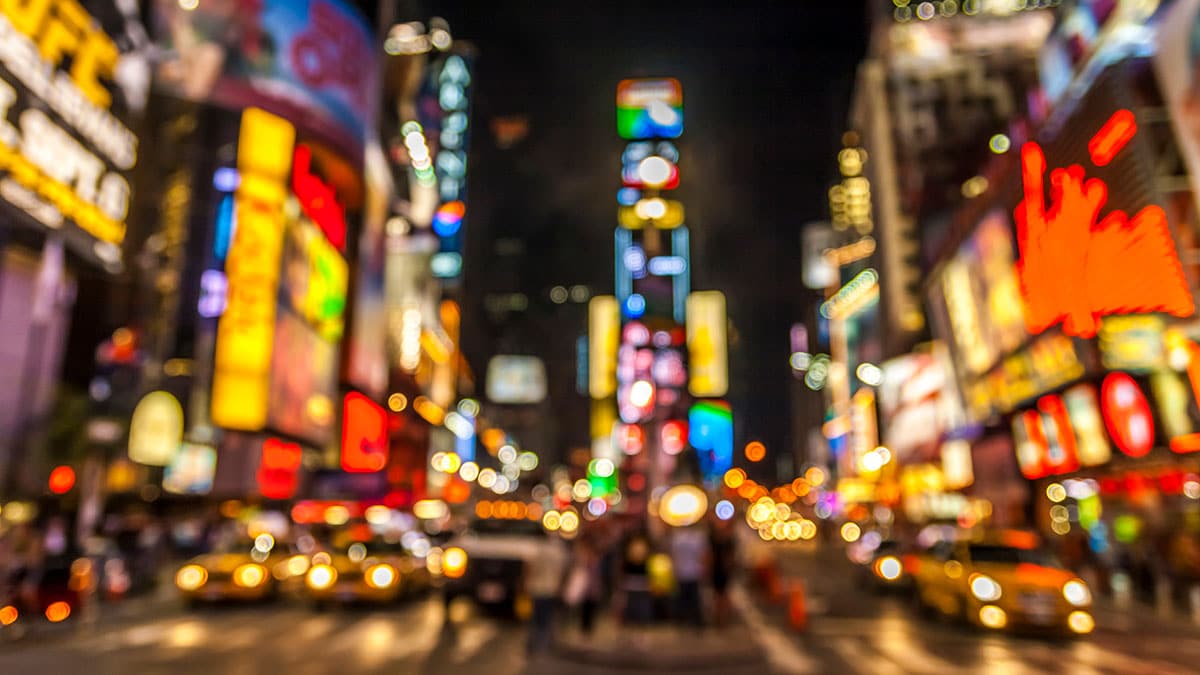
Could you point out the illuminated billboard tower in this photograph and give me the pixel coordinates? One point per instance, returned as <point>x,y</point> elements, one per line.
<point>642,338</point>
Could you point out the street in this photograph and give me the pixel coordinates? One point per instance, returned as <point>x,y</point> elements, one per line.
<point>849,631</point>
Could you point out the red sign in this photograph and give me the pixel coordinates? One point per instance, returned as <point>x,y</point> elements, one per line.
<point>62,479</point>
<point>1077,267</point>
<point>364,434</point>
<point>1046,439</point>
<point>279,471</point>
<point>674,436</point>
<point>317,199</point>
<point>1127,414</point>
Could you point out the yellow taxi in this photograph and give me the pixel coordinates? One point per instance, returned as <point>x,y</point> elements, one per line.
<point>239,569</point>
<point>372,570</point>
<point>1002,581</point>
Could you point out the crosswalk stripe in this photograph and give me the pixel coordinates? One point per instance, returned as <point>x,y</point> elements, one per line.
<point>781,649</point>
<point>1093,654</point>
<point>858,657</point>
<point>902,649</point>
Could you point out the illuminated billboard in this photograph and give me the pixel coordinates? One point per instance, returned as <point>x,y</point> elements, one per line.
<point>191,471</point>
<point>64,150</point>
<point>707,346</point>
<point>303,381</point>
<point>516,379</point>
<point>650,108</point>
<point>710,432</point>
<point>245,334</point>
<point>308,60</point>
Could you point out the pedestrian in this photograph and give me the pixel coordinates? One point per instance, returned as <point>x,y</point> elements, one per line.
<point>583,588</point>
<point>544,574</point>
<point>689,561</point>
<point>722,568</point>
<point>635,579</point>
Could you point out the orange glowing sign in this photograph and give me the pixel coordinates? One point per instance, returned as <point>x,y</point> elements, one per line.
<point>1076,267</point>
<point>364,434</point>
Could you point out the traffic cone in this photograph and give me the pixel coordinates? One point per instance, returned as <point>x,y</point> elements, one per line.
<point>797,607</point>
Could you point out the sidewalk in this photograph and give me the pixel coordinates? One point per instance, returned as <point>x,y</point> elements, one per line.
<point>662,647</point>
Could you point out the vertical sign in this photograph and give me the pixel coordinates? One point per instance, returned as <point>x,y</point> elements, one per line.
<point>706,341</point>
<point>245,335</point>
<point>603,334</point>
<point>364,434</point>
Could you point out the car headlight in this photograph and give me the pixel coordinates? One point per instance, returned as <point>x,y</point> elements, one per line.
<point>985,588</point>
<point>250,575</point>
<point>320,577</point>
<point>191,577</point>
<point>454,562</point>
<point>888,568</point>
<point>1076,592</point>
<point>381,576</point>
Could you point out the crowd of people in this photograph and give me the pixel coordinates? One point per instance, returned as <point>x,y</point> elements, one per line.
<point>680,576</point>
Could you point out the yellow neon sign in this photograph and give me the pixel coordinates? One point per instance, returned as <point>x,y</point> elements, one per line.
<point>245,335</point>
<point>603,335</point>
<point>707,348</point>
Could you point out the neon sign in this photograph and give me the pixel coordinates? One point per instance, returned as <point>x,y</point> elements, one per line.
<point>245,335</point>
<point>364,434</point>
<point>1075,269</point>
<point>317,198</point>
<point>279,469</point>
<point>1127,414</point>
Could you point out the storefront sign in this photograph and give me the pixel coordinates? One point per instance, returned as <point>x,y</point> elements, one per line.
<point>245,334</point>
<point>1048,363</point>
<point>1044,443</point>
<point>1069,260</point>
<point>63,152</point>
<point>1133,343</point>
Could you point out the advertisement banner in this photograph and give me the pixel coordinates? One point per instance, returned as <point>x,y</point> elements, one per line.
<point>310,61</point>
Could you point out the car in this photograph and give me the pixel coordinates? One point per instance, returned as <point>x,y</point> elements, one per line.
<point>1000,581</point>
<point>486,563</point>
<point>364,569</point>
<point>240,570</point>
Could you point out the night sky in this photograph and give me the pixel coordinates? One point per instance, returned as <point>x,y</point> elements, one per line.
<point>766,89</point>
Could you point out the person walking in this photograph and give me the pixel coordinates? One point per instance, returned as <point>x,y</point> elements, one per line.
<point>689,560</point>
<point>544,583</point>
<point>723,566</point>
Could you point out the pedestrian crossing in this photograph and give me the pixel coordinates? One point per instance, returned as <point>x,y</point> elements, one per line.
<point>286,638</point>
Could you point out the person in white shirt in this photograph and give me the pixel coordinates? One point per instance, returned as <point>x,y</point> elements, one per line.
<point>544,574</point>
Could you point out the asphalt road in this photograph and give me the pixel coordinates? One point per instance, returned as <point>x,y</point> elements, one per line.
<point>850,631</point>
